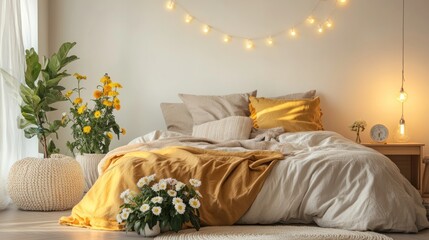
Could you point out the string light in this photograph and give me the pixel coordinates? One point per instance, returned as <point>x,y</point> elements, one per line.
<point>206,29</point>
<point>311,20</point>
<point>342,2</point>
<point>269,41</point>
<point>328,23</point>
<point>248,44</point>
<point>292,32</point>
<point>170,5</point>
<point>188,18</point>
<point>226,38</point>
<point>249,41</point>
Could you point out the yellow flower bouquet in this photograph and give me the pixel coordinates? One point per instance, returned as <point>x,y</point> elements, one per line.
<point>92,127</point>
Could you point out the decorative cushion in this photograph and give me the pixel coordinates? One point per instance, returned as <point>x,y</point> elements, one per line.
<point>293,115</point>
<point>210,108</point>
<point>230,128</point>
<point>305,95</point>
<point>177,117</point>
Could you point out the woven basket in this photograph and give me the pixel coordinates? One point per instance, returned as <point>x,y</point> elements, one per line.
<point>89,164</point>
<point>50,184</point>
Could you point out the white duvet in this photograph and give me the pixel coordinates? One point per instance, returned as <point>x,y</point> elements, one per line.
<point>332,181</point>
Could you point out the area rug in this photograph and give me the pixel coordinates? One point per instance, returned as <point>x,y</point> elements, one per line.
<point>280,232</point>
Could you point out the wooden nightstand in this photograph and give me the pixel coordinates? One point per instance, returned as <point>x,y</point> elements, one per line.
<point>407,156</point>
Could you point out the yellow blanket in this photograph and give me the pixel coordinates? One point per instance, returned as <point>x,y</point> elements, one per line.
<point>230,182</point>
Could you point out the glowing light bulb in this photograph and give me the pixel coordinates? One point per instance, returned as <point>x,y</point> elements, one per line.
<point>328,23</point>
<point>402,132</point>
<point>206,29</point>
<point>402,128</point>
<point>292,32</point>
<point>170,5</point>
<point>248,44</point>
<point>188,18</point>
<point>226,38</point>
<point>320,29</point>
<point>311,20</point>
<point>403,96</point>
<point>269,41</point>
<point>342,2</point>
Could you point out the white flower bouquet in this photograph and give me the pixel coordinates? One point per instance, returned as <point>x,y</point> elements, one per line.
<point>169,202</point>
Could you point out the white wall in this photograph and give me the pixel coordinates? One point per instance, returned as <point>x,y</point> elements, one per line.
<point>356,67</point>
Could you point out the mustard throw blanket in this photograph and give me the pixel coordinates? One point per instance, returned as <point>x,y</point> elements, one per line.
<point>230,183</point>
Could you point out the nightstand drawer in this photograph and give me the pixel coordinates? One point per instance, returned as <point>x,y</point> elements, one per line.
<point>407,156</point>
<point>406,150</point>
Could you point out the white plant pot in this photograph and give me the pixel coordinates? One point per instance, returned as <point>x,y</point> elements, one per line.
<point>147,232</point>
<point>89,164</point>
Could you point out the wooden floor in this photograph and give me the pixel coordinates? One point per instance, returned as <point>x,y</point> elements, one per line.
<point>16,224</point>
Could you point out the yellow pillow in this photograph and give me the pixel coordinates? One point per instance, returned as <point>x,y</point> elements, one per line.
<point>293,115</point>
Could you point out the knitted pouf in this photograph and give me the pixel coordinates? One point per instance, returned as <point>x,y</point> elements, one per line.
<point>50,184</point>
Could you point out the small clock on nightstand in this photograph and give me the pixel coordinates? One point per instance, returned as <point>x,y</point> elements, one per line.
<point>379,133</point>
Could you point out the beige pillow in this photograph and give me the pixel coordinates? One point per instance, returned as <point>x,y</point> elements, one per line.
<point>177,117</point>
<point>210,108</point>
<point>309,94</point>
<point>230,128</point>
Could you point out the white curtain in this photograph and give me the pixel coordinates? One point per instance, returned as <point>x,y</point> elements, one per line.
<point>18,31</point>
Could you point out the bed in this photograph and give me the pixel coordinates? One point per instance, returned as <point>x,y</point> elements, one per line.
<point>319,177</point>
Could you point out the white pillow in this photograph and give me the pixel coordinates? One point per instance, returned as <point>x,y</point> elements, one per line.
<point>230,128</point>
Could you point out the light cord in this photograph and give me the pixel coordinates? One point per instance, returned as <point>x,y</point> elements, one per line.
<point>403,45</point>
<point>236,36</point>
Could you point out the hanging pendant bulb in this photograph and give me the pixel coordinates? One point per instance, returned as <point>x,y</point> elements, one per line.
<point>402,132</point>
<point>403,96</point>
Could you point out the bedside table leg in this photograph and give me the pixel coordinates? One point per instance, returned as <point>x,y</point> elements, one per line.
<point>425,180</point>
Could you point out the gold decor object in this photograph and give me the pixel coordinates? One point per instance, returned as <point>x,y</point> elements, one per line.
<point>319,24</point>
<point>50,184</point>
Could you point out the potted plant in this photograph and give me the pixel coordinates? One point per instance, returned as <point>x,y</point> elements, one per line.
<point>93,126</point>
<point>358,126</point>
<point>166,205</point>
<point>55,182</point>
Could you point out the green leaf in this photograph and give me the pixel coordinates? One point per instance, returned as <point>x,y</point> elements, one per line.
<point>33,67</point>
<point>54,64</point>
<point>30,132</point>
<point>59,88</point>
<point>137,225</point>
<point>51,147</point>
<point>22,123</point>
<point>64,50</point>
<point>68,60</point>
<point>29,117</point>
<point>36,100</point>
<point>25,91</point>
<point>54,82</point>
